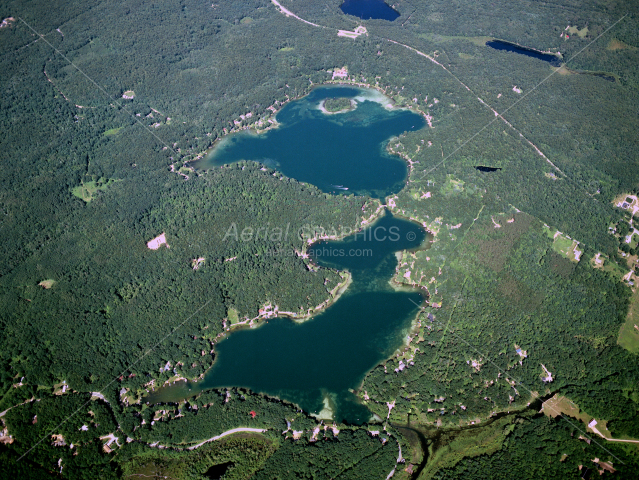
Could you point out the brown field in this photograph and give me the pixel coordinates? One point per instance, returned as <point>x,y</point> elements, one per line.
<point>558,404</point>
<point>615,44</point>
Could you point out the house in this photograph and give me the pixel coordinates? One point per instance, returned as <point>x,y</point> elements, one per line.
<point>340,73</point>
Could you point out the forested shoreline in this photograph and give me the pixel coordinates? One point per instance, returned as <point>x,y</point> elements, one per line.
<point>90,175</point>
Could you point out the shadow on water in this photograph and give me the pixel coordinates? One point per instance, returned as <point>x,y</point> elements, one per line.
<point>424,442</point>
<point>217,471</point>
<point>554,60</point>
<point>369,9</point>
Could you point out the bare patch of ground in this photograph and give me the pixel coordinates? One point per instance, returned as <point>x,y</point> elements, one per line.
<point>563,70</point>
<point>157,242</point>
<point>47,284</point>
<point>615,44</point>
<point>580,33</point>
<point>560,405</point>
<point>354,34</point>
<point>555,406</point>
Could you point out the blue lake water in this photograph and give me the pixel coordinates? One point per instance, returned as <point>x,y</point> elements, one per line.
<point>339,153</point>
<point>511,47</point>
<point>367,9</point>
<point>326,357</point>
<point>320,362</point>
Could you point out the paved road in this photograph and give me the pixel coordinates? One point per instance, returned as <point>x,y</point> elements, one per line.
<point>594,429</point>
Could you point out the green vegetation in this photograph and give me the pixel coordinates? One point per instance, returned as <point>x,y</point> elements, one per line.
<point>337,104</point>
<point>235,457</point>
<point>452,186</point>
<point>198,69</point>
<point>453,446</point>
<point>44,419</point>
<point>232,316</point>
<point>350,455</point>
<point>563,245</point>
<point>87,190</point>
<point>144,300</point>
<point>629,332</point>
<point>112,131</point>
<point>540,447</point>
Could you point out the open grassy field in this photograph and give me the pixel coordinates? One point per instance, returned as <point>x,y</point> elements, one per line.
<point>86,191</point>
<point>563,245</point>
<point>112,131</point>
<point>629,333</point>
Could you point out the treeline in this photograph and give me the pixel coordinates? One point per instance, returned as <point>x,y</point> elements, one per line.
<point>60,433</point>
<point>546,448</point>
<point>88,338</point>
<point>234,458</point>
<point>512,292</point>
<point>213,413</point>
<point>351,454</point>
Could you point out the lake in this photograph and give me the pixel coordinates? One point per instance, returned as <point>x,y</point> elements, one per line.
<point>554,60</point>
<point>367,9</point>
<point>316,364</point>
<point>340,153</point>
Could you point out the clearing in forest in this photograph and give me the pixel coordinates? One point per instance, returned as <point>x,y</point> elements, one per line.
<point>615,44</point>
<point>629,332</point>
<point>354,34</point>
<point>452,186</point>
<point>555,406</point>
<point>86,191</point>
<point>604,263</point>
<point>580,33</point>
<point>564,245</point>
<point>558,405</point>
<point>47,284</point>
<point>112,131</point>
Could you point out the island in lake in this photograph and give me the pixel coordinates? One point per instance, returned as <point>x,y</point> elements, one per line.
<point>339,154</point>
<point>337,105</point>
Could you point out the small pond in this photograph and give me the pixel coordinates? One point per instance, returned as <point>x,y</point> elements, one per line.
<point>367,9</point>
<point>554,60</point>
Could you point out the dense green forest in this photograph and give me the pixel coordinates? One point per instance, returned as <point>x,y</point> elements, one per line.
<point>145,295</point>
<point>89,177</point>
<point>337,104</point>
<point>544,448</point>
